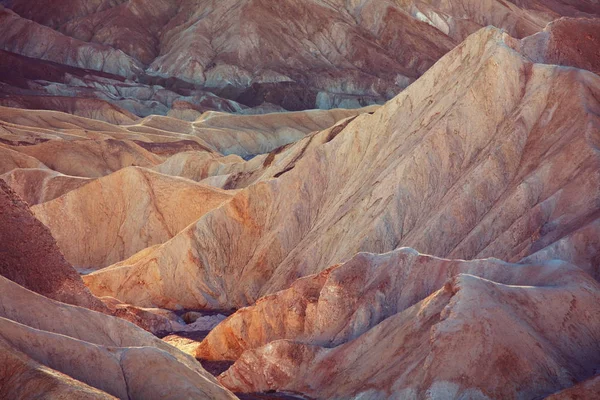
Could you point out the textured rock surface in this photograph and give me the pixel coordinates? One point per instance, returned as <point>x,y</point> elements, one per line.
<point>311,54</point>
<point>89,158</point>
<point>526,337</point>
<point>118,215</point>
<point>585,390</point>
<point>475,159</point>
<point>107,147</point>
<point>10,160</point>
<point>343,302</point>
<point>115,126</point>
<point>31,257</point>
<point>128,362</point>
<point>36,185</point>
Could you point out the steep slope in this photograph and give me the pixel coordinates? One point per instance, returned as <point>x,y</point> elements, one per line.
<point>128,362</point>
<point>584,390</point>
<point>31,258</point>
<point>116,216</point>
<point>22,36</point>
<point>10,160</point>
<point>33,83</point>
<point>571,42</point>
<point>529,336</point>
<point>485,155</point>
<point>258,134</point>
<point>30,379</point>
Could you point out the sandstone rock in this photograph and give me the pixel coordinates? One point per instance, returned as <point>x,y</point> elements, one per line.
<point>90,158</point>
<point>37,84</point>
<point>33,40</point>
<point>345,301</point>
<point>118,215</point>
<point>475,159</point>
<point>21,378</point>
<point>10,160</point>
<point>87,108</point>
<point>473,338</point>
<point>585,390</point>
<point>31,258</point>
<point>567,41</point>
<point>312,54</point>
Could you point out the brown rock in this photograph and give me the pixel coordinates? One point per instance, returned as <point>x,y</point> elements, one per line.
<point>90,158</point>
<point>36,185</point>
<point>584,390</point>
<point>31,257</point>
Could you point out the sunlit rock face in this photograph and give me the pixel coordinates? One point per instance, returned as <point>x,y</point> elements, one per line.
<point>431,231</point>
<point>469,162</point>
<point>482,329</point>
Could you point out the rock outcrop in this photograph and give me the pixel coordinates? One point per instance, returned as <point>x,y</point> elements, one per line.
<point>345,301</point>
<point>528,336</point>
<point>116,216</point>
<point>475,159</point>
<point>585,390</point>
<point>90,158</point>
<point>443,245</point>
<point>31,257</point>
<point>312,54</point>
<point>37,185</point>
<point>127,361</point>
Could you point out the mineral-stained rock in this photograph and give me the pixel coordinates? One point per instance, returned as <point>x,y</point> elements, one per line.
<point>312,54</point>
<point>118,215</point>
<point>88,108</point>
<point>487,154</point>
<point>31,257</point>
<point>570,42</point>
<point>213,132</point>
<point>526,332</point>
<point>345,301</point>
<point>10,160</point>
<point>588,389</point>
<point>21,378</point>
<point>30,39</point>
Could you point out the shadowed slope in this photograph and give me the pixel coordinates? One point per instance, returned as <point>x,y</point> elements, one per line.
<point>31,257</point>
